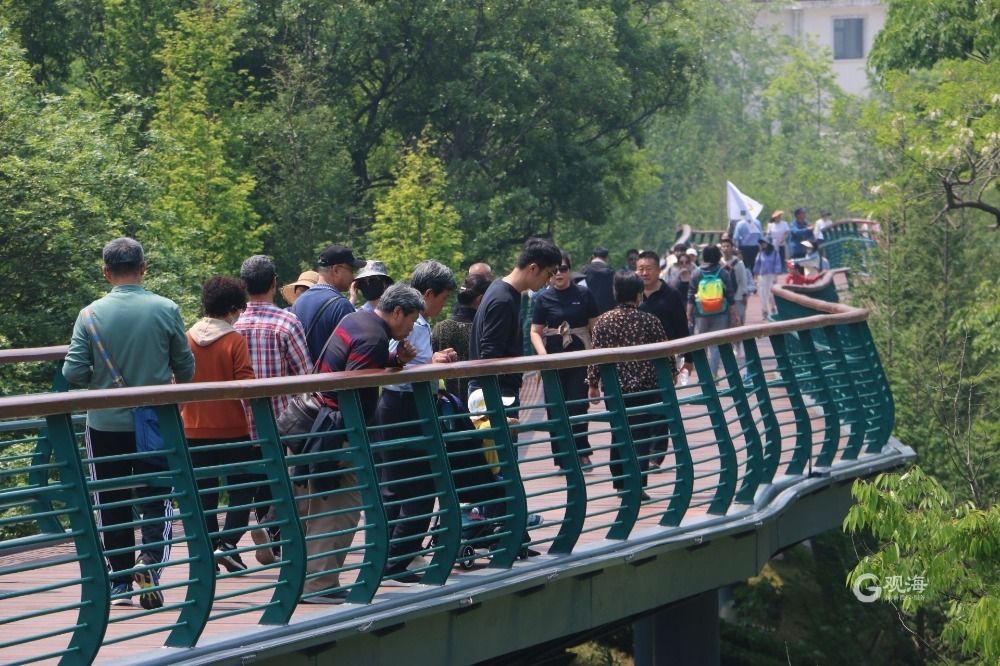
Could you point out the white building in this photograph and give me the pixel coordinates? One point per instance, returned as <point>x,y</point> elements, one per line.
<point>846,29</point>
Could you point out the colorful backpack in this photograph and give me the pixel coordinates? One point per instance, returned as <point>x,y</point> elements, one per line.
<point>710,299</point>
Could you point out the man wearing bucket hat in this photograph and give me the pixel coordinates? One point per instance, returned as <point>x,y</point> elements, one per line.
<point>292,291</point>
<point>371,282</point>
<point>322,306</point>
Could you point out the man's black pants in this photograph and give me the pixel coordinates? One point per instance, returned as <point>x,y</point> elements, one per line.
<point>407,491</point>
<point>101,444</point>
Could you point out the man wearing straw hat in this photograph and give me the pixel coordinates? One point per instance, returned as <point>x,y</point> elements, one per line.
<point>307,279</point>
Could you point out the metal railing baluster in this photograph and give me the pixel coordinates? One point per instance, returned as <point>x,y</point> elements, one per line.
<point>728,474</point>
<point>450,517</point>
<point>623,452</point>
<point>513,528</point>
<point>802,451</point>
<point>292,571</point>
<point>561,433</point>
<point>201,567</point>
<point>819,390</point>
<point>359,456</point>
<point>684,482</point>
<point>95,586</point>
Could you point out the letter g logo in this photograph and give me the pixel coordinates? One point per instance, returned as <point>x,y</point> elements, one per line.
<point>866,588</point>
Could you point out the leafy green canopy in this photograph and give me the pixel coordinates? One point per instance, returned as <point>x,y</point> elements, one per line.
<point>536,109</point>
<point>919,33</point>
<point>413,219</point>
<point>68,180</point>
<point>201,221</point>
<point>951,547</point>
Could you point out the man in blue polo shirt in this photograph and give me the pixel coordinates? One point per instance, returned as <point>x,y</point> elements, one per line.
<point>321,307</point>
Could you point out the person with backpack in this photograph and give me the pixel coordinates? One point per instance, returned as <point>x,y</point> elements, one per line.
<point>711,296</point>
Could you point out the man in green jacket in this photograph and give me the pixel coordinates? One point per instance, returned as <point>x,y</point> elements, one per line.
<point>144,338</point>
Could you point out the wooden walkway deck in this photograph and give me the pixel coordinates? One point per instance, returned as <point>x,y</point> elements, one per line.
<point>543,491</point>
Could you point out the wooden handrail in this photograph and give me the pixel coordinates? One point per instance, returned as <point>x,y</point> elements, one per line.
<point>44,404</point>
<point>34,354</point>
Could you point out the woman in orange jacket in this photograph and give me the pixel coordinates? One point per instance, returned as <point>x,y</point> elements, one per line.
<point>217,431</point>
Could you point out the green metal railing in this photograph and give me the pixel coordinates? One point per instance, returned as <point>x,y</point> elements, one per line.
<point>794,397</point>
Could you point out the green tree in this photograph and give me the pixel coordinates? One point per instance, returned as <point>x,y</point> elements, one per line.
<point>413,221</point>
<point>201,220</point>
<point>69,183</point>
<point>299,157</point>
<point>919,33</point>
<point>946,553</point>
<point>538,109</point>
<point>937,131</point>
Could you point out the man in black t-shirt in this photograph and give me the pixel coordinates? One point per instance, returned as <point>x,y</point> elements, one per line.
<point>666,304</point>
<point>496,329</point>
<point>662,300</point>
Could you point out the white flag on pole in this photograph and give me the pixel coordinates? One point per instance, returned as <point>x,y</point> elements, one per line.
<point>736,202</point>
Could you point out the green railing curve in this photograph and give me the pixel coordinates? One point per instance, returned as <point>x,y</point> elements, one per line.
<point>794,399</point>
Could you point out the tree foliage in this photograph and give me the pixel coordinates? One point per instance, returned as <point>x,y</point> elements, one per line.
<point>201,219</point>
<point>919,33</point>
<point>952,546</point>
<point>937,132</point>
<point>69,176</point>
<point>413,221</point>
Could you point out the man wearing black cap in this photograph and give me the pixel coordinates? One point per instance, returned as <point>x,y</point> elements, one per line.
<point>600,280</point>
<point>321,307</point>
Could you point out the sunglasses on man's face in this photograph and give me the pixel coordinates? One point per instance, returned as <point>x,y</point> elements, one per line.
<point>563,269</point>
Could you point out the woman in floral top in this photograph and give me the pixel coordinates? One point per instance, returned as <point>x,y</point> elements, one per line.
<point>624,326</point>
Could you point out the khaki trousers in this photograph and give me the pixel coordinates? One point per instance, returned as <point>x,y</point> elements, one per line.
<point>328,526</point>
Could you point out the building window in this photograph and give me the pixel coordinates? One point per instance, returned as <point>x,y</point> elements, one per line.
<point>848,38</point>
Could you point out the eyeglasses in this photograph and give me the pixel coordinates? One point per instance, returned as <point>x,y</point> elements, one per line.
<point>563,269</point>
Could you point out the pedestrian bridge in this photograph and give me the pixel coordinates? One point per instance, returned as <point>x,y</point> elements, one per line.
<point>758,460</point>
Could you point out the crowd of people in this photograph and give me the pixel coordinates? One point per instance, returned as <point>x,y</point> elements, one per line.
<point>350,314</point>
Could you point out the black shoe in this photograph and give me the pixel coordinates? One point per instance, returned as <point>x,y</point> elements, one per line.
<point>227,556</point>
<point>645,496</point>
<point>528,552</point>
<point>329,598</point>
<point>123,591</point>
<point>150,596</point>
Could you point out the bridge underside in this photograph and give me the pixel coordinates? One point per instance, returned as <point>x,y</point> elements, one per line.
<point>498,612</point>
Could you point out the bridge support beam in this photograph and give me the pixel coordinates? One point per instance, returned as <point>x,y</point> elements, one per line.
<point>685,632</point>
